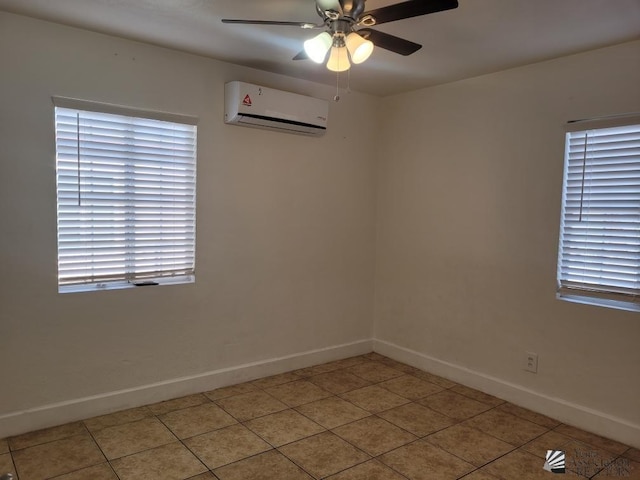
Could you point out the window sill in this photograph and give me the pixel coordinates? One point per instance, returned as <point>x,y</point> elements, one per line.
<point>600,302</point>
<point>96,287</point>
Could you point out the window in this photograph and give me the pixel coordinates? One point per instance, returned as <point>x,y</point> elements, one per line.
<point>599,254</point>
<point>125,196</point>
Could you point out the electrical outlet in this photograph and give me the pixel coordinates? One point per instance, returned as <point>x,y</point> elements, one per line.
<point>531,363</point>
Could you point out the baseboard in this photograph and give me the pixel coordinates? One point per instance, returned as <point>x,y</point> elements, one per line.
<point>15,423</point>
<point>557,408</point>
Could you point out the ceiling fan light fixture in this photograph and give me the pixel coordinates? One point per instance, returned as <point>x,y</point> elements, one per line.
<point>318,46</point>
<point>359,48</point>
<point>339,59</point>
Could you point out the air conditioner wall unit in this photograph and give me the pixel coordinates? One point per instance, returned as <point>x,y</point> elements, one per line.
<point>261,107</point>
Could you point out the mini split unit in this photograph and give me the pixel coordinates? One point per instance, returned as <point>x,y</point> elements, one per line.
<point>261,107</point>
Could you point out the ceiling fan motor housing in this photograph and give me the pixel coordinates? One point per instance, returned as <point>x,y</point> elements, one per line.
<point>353,9</point>
<point>346,10</point>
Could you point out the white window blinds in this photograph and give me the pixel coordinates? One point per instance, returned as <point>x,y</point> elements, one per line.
<point>126,197</point>
<point>599,254</point>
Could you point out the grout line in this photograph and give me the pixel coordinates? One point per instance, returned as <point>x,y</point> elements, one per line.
<point>13,462</point>
<point>294,462</point>
<point>370,457</point>
<point>198,458</point>
<point>11,450</point>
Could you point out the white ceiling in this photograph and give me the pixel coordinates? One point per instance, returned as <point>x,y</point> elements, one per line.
<point>480,36</point>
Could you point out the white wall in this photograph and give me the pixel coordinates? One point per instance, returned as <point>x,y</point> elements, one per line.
<point>285,231</point>
<point>469,189</point>
<point>468,196</point>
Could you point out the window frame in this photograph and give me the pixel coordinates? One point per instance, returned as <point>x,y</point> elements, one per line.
<point>579,292</point>
<point>139,276</point>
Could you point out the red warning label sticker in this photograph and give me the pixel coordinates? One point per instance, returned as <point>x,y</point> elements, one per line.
<point>247,100</point>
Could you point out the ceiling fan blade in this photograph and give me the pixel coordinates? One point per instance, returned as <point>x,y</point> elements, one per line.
<point>390,42</point>
<point>411,8</point>
<point>270,22</point>
<point>301,56</point>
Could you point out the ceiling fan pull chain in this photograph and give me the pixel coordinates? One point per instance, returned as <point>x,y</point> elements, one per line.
<point>337,97</point>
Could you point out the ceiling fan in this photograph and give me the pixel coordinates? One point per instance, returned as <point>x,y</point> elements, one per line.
<point>348,33</point>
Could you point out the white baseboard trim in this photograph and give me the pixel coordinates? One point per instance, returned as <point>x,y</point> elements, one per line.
<point>15,423</point>
<point>567,412</point>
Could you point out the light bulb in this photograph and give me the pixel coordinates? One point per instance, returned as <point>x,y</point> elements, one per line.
<point>338,60</point>
<point>318,46</point>
<point>359,48</point>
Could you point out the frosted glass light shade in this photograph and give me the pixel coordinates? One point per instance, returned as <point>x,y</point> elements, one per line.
<point>359,48</point>
<point>338,60</point>
<point>318,46</point>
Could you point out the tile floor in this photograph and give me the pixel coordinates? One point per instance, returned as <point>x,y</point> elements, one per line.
<point>361,418</point>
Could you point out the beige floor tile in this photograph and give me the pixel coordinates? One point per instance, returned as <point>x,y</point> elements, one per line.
<point>402,367</point>
<point>478,395</point>
<point>417,419</point>
<point>375,356</point>
<point>97,472</point>
<point>371,470</point>
<point>409,370</point>
<point>204,476</point>
<point>551,440</point>
<point>469,444</point>
<point>528,415</point>
<point>251,405</point>
<point>454,405</point>
<point>347,362</point>
<point>522,465</point>
<point>332,412</point>
<point>592,439</point>
<point>143,448</point>
<point>324,454</point>
<point>118,418</point>
<point>284,427</point>
<point>632,454</point>
<point>422,461</point>
<point>622,468</point>
<point>479,475</point>
<point>193,421</point>
<point>514,430</point>
<point>430,377</point>
<point>231,390</point>
<point>339,381</point>
<point>169,462</point>
<point>316,370</point>
<point>57,457</point>
<point>6,464</point>
<point>178,404</point>
<point>47,435</point>
<point>374,398</point>
<point>276,380</point>
<point>374,372</point>
<point>298,393</point>
<point>374,435</point>
<point>226,445</point>
<point>133,437</point>
<point>266,466</point>
<point>410,387</point>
